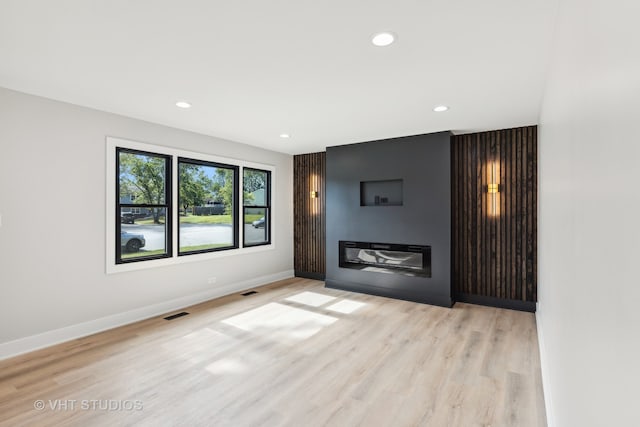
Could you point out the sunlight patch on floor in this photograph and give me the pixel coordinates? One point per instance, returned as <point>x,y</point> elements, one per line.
<point>346,306</point>
<point>312,299</point>
<point>281,322</point>
<point>227,366</point>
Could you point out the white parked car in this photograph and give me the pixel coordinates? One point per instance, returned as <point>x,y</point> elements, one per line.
<point>131,242</point>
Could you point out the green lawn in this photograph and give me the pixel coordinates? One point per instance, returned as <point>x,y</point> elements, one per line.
<point>144,253</point>
<point>252,217</point>
<point>203,247</point>
<point>147,221</point>
<point>203,219</point>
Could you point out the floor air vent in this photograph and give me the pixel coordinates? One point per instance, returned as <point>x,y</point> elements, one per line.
<point>175,316</point>
<point>246,294</point>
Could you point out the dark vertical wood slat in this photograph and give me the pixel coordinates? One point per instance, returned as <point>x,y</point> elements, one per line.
<point>520,216</point>
<point>503,216</point>
<point>471,280</point>
<point>305,215</point>
<point>305,220</point>
<point>517,290</point>
<point>461,218</point>
<point>461,224</point>
<point>312,223</point>
<point>309,229</point>
<point>530,216</point>
<point>486,218</point>
<point>494,220</point>
<point>523,217</point>
<point>495,256</point>
<point>480,209</point>
<point>500,219</point>
<point>323,207</point>
<point>512,216</point>
<point>534,209</point>
<point>529,232</point>
<point>494,266</point>
<point>470,190</point>
<point>507,213</point>
<point>525,213</point>
<point>454,210</point>
<point>518,224</point>
<point>321,223</point>
<point>309,203</point>
<point>483,241</point>
<point>458,262</point>
<point>322,173</point>
<point>476,199</point>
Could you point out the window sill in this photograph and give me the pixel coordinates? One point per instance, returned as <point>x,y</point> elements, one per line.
<point>177,260</point>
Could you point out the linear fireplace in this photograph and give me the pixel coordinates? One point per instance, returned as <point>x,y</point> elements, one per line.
<point>409,260</point>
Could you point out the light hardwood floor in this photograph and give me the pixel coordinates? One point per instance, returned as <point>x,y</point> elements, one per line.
<point>294,354</point>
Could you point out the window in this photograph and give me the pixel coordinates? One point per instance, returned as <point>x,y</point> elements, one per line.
<point>143,214</point>
<point>207,206</point>
<point>257,206</point>
<point>169,206</point>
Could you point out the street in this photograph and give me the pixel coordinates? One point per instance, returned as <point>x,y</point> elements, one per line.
<point>193,234</point>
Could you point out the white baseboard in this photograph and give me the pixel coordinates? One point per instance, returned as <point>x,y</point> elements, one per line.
<point>57,336</point>
<point>544,368</point>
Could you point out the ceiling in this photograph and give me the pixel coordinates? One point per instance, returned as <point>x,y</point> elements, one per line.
<point>253,69</point>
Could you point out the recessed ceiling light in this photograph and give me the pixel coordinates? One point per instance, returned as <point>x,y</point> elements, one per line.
<point>285,135</point>
<point>440,108</point>
<point>383,39</point>
<point>183,104</point>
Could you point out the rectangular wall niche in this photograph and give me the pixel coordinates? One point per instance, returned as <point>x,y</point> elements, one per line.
<point>410,260</point>
<point>381,193</point>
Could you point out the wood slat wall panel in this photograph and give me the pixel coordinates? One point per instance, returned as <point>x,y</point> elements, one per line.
<point>309,214</point>
<point>495,256</point>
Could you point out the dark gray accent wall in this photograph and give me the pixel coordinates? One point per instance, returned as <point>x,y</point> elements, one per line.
<point>423,163</point>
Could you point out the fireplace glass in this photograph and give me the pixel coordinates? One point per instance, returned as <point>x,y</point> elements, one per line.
<point>410,260</point>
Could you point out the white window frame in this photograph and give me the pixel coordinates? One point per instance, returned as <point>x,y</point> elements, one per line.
<point>110,239</point>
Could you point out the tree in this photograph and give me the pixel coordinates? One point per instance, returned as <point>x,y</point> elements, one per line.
<point>143,177</point>
<point>223,188</point>
<point>253,181</point>
<point>195,186</point>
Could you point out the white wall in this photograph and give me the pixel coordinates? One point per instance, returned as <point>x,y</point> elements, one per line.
<point>52,237</point>
<point>589,219</point>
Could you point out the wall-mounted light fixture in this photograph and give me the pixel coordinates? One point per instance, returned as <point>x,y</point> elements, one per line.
<point>314,203</point>
<point>493,189</point>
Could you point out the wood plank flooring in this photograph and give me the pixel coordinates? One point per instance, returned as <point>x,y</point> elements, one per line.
<point>294,354</point>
